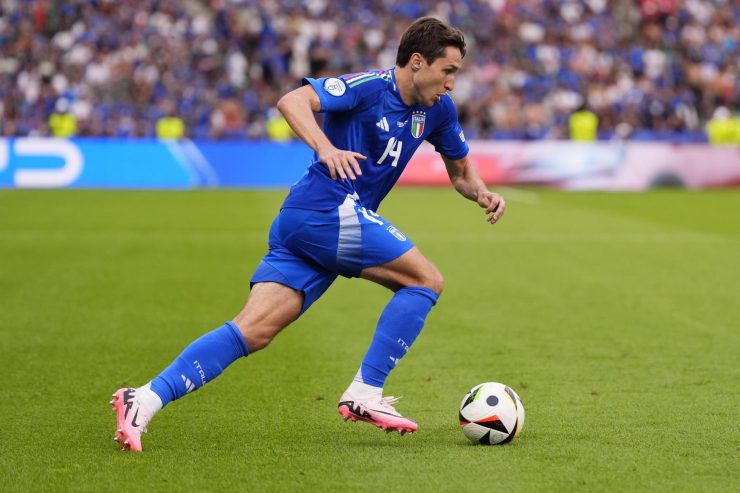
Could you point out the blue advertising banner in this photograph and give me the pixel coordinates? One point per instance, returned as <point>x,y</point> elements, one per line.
<point>257,164</point>
<point>108,163</point>
<point>142,164</point>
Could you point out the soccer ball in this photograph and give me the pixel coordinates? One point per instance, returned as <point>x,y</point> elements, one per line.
<point>491,413</point>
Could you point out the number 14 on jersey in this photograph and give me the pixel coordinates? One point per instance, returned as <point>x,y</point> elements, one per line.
<point>393,149</point>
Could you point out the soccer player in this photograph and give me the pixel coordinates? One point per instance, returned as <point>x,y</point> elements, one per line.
<point>328,226</point>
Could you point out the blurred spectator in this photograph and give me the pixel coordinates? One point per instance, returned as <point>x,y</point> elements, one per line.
<point>657,67</point>
<point>583,125</point>
<point>724,128</point>
<point>228,120</point>
<point>278,129</point>
<point>62,123</point>
<point>170,126</point>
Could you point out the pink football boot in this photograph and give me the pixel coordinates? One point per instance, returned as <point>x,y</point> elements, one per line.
<point>131,419</point>
<point>376,411</point>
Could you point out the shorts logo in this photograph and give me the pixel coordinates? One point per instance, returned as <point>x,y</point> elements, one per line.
<point>395,232</point>
<point>335,86</point>
<point>418,118</point>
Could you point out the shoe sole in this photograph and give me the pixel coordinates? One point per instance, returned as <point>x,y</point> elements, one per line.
<point>388,428</point>
<point>127,442</point>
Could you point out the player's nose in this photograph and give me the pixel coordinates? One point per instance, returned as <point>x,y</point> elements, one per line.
<point>450,83</point>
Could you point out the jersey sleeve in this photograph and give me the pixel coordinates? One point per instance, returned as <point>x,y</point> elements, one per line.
<point>448,138</point>
<point>334,93</point>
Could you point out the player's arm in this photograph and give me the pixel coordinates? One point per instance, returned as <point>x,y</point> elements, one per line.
<point>298,108</point>
<point>469,184</point>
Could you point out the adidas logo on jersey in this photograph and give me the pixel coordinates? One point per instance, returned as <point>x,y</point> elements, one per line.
<point>189,386</point>
<point>383,124</point>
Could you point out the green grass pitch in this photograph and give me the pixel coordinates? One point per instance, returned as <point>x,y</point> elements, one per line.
<point>614,316</point>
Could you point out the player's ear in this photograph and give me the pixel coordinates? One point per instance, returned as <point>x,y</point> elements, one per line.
<point>416,61</point>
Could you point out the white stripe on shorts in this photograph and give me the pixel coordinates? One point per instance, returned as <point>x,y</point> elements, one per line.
<point>349,248</point>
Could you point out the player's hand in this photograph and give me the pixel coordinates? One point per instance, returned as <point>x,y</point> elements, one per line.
<point>493,203</point>
<point>342,163</point>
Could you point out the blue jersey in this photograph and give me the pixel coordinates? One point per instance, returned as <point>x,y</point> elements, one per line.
<point>365,114</point>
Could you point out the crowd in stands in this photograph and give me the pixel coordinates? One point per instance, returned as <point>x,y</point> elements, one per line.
<point>645,69</point>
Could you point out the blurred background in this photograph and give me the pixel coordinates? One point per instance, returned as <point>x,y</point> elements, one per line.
<point>646,69</point>
<point>212,71</point>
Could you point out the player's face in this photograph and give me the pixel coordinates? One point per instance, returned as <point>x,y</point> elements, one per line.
<point>432,81</point>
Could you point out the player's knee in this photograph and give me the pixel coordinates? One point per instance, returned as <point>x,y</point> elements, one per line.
<point>255,335</point>
<point>434,281</point>
<point>257,340</point>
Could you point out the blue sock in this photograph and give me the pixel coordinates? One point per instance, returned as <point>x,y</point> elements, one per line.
<point>202,361</point>
<point>398,326</point>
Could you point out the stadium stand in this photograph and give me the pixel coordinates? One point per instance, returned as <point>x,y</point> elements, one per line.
<point>648,70</point>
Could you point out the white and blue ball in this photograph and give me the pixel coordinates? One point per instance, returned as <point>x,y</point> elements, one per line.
<point>491,413</point>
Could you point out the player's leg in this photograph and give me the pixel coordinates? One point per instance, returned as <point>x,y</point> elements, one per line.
<point>410,269</point>
<point>417,284</point>
<point>389,258</point>
<point>284,285</point>
<point>270,307</point>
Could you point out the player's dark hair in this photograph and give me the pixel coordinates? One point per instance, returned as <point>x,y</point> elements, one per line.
<point>429,37</point>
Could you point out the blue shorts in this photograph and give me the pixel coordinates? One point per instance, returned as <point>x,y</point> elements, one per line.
<point>308,249</point>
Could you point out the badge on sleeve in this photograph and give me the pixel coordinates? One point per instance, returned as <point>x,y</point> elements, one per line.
<point>335,86</point>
